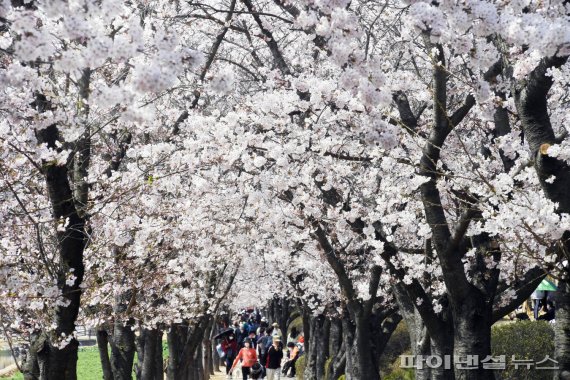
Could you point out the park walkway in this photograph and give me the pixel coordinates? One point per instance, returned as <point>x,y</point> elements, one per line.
<point>222,375</point>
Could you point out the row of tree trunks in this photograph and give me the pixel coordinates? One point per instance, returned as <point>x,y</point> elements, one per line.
<point>186,350</point>
<point>345,345</point>
<point>200,362</point>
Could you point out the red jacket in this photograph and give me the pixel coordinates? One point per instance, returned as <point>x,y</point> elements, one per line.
<point>248,355</point>
<point>227,344</point>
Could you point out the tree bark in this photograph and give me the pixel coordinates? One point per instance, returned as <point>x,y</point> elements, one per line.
<point>322,347</point>
<point>56,363</point>
<point>531,100</point>
<point>316,356</point>
<point>176,338</point>
<point>360,361</point>
<point>149,351</point>
<point>122,351</point>
<point>562,331</point>
<point>31,366</point>
<point>102,344</point>
<point>472,325</point>
<point>336,350</point>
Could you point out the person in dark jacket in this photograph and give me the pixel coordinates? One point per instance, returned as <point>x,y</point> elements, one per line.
<point>550,312</point>
<point>293,355</point>
<point>241,334</point>
<point>230,348</point>
<point>253,339</point>
<point>273,360</point>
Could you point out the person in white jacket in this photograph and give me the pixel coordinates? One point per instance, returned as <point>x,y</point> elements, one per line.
<point>277,331</point>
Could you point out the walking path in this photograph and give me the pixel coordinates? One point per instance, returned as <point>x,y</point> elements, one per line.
<point>222,375</point>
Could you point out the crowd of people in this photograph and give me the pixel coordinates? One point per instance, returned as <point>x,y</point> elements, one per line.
<point>260,349</point>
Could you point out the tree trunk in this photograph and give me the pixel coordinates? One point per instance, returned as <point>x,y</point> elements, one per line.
<point>158,357</point>
<point>176,338</point>
<point>60,363</point>
<point>316,356</point>
<point>322,347</point>
<point>336,351</point>
<point>149,351</point>
<point>198,364</point>
<point>360,361</point>
<point>184,342</point>
<point>102,344</point>
<point>472,327</point>
<point>56,363</point>
<point>31,367</point>
<point>337,365</point>
<point>208,354</point>
<point>122,351</point>
<point>562,331</point>
<point>419,337</point>
<point>441,347</point>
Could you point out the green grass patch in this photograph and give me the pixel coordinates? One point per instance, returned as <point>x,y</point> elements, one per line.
<point>89,364</point>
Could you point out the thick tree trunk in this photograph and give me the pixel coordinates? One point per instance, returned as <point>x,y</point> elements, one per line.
<point>122,351</point>
<point>102,344</point>
<point>149,352</point>
<point>472,327</point>
<point>158,357</point>
<point>176,338</point>
<point>184,343</point>
<point>360,360</point>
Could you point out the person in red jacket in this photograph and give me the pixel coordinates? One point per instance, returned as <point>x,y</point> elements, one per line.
<point>248,356</point>
<point>230,348</point>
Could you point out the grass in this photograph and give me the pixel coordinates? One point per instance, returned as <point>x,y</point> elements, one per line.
<point>89,364</point>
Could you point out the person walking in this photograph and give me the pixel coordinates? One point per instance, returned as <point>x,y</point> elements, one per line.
<point>293,354</point>
<point>277,331</point>
<point>293,335</point>
<point>230,348</point>
<point>273,360</point>
<point>248,357</point>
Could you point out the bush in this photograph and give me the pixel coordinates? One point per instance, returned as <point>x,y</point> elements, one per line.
<point>300,367</point>
<point>398,344</point>
<point>525,340</point>
<point>401,374</point>
<point>397,373</point>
